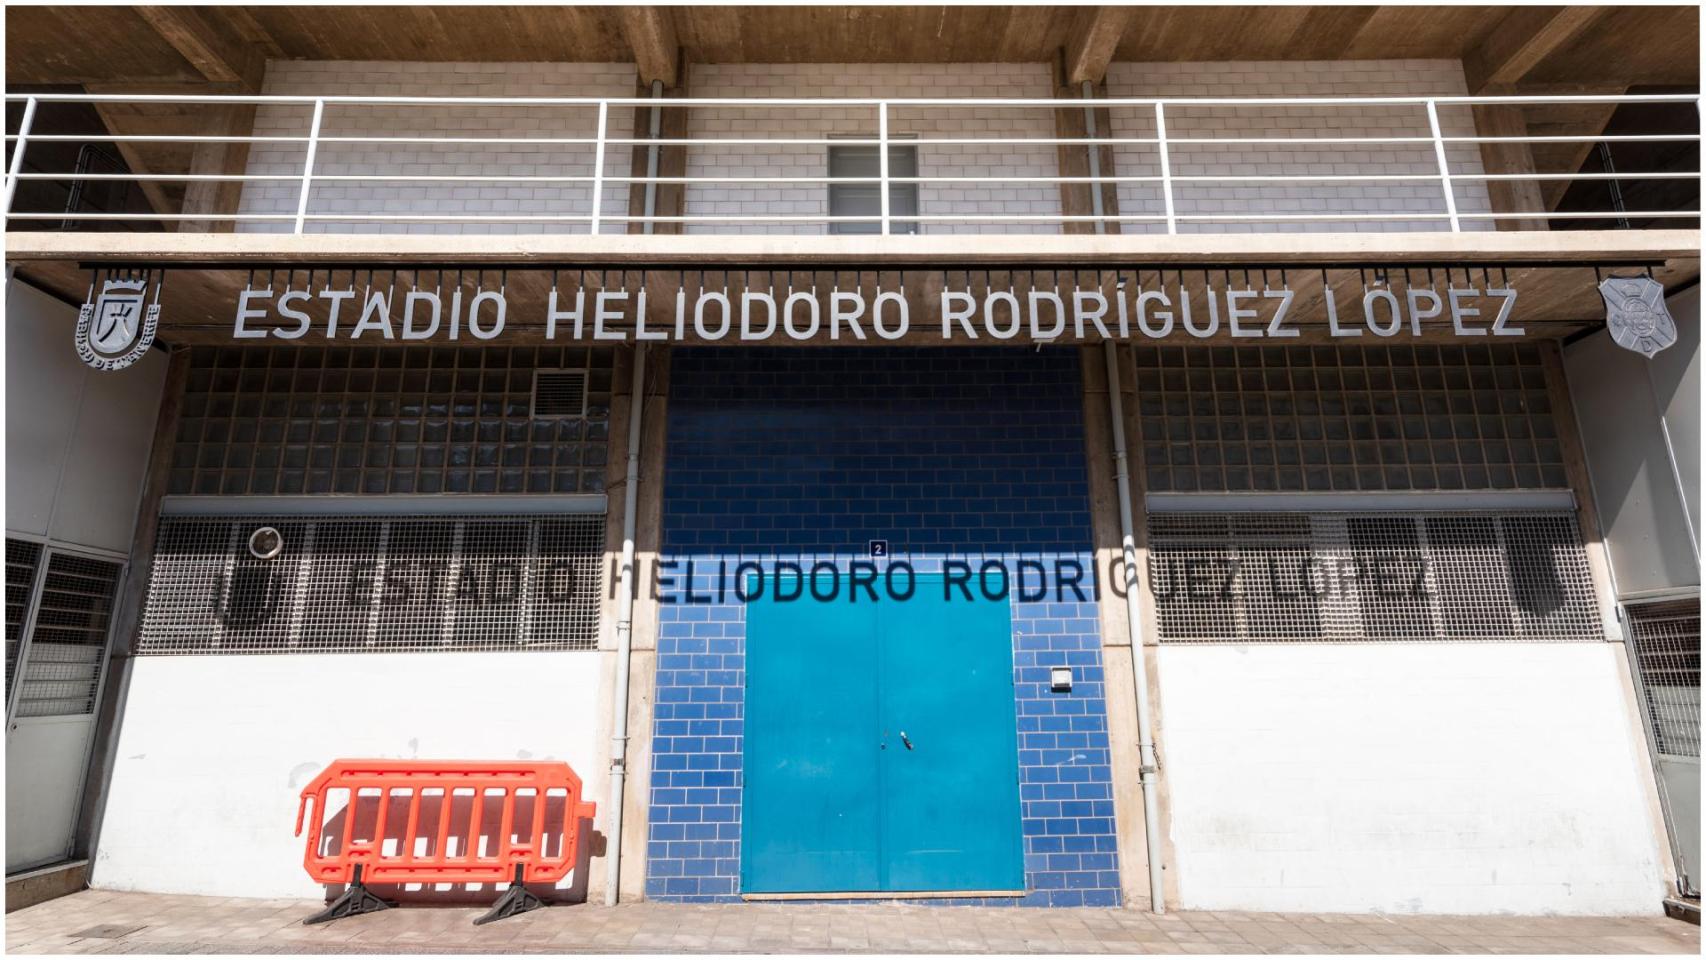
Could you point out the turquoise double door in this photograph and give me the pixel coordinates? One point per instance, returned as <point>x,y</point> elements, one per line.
<point>880,745</point>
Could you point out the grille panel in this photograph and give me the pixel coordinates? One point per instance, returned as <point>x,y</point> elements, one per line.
<point>369,584</point>
<point>559,393</point>
<point>1251,577</point>
<point>62,671</point>
<point>1666,636</point>
<point>22,559</point>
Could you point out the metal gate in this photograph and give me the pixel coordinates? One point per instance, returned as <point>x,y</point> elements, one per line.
<point>59,612</point>
<point>1665,639</point>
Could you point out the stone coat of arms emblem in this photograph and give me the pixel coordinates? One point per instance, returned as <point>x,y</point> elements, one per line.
<point>1636,315</point>
<point>117,327</point>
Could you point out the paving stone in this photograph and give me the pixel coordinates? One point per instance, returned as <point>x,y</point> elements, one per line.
<point>128,923</point>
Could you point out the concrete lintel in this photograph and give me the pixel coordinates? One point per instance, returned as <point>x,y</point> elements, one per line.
<point>1596,246</point>
<point>423,504</point>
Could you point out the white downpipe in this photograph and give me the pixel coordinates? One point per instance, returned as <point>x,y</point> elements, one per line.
<point>625,605</point>
<point>1133,614</point>
<point>624,636</point>
<point>655,127</point>
<point>1128,548</point>
<point>1095,155</point>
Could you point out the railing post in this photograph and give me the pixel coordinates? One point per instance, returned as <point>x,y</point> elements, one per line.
<point>308,163</point>
<point>17,166</point>
<point>1444,168</point>
<point>883,161</point>
<point>596,220</point>
<point>1166,167</point>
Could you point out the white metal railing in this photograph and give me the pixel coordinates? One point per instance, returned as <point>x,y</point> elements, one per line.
<point>1164,176</point>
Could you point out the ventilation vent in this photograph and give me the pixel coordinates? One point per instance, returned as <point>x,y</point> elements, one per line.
<point>1666,636</point>
<point>22,558</point>
<point>61,668</point>
<point>559,393</point>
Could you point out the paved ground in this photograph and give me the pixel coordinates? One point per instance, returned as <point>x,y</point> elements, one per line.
<point>101,922</point>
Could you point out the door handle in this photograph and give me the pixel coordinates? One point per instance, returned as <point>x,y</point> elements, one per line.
<point>904,740</point>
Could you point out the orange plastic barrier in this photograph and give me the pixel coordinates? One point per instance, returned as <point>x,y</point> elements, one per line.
<point>538,809</point>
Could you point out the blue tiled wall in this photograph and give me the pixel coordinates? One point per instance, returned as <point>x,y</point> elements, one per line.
<point>777,454</point>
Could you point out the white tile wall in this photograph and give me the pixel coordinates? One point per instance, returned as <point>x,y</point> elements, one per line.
<point>1351,78</point>
<point>873,80</point>
<point>441,79</point>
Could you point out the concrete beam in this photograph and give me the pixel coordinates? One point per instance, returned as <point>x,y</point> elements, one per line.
<point>219,197</point>
<point>1510,196</point>
<point>1521,40</point>
<point>650,32</point>
<point>1096,31</point>
<point>216,50</point>
<point>867,252</point>
<point>153,190</point>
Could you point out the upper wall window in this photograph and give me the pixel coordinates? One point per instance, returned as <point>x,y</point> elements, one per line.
<point>364,420</point>
<point>865,199</point>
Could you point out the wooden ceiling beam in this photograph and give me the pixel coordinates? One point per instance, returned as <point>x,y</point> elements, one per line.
<point>210,44</point>
<point>1096,33</point>
<point>650,32</point>
<point>1526,36</point>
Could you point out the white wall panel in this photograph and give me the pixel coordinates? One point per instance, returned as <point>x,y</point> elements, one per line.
<point>1421,778</point>
<point>1616,394</point>
<point>215,751</point>
<point>77,439</point>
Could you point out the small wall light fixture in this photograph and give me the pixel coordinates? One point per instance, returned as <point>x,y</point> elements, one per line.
<point>265,543</point>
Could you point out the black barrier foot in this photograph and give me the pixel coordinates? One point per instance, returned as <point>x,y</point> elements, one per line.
<point>515,900</point>
<point>356,899</point>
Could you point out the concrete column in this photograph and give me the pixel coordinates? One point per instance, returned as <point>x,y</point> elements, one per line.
<point>219,196</point>
<point>671,199</point>
<point>1116,639</point>
<point>642,668</point>
<point>1509,196</point>
<point>1074,159</point>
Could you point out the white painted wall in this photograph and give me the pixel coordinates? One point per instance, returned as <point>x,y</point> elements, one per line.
<point>215,750</point>
<point>1424,778</point>
<point>352,78</point>
<point>1350,78</point>
<point>927,80</point>
<point>77,439</point>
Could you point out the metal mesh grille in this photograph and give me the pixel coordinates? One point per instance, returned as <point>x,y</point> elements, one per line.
<point>62,668</point>
<point>559,393</point>
<point>1347,418</point>
<point>1335,576</point>
<point>265,421</point>
<point>354,584</point>
<point>22,558</point>
<point>1666,635</point>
